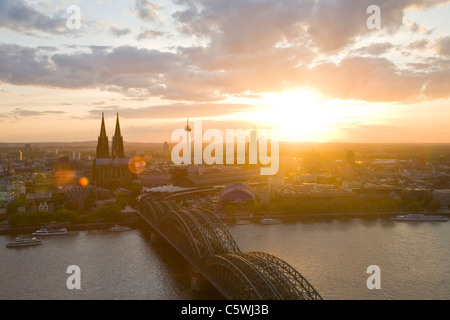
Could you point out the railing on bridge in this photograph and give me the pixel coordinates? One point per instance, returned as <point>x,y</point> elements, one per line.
<point>201,237</point>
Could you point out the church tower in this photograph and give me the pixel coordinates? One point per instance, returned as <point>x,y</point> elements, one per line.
<point>103,146</point>
<point>111,171</point>
<point>117,143</point>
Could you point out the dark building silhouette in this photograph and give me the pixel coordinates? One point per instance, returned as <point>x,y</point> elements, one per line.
<point>117,150</point>
<point>350,159</point>
<point>103,144</point>
<point>166,149</point>
<point>64,164</point>
<point>112,172</point>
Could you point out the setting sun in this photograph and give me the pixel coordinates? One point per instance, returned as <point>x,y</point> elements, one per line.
<point>298,115</point>
<point>250,149</point>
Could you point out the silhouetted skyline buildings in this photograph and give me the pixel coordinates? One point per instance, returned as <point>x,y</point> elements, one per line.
<point>111,170</point>
<point>103,144</point>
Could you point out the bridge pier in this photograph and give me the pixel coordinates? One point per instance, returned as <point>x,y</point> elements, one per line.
<point>199,283</point>
<point>155,237</point>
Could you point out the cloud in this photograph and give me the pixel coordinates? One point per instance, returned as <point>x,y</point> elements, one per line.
<point>418,44</point>
<point>443,46</point>
<point>439,85</point>
<point>19,113</point>
<point>98,103</point>
<point>147,10</point>
<point>335,24</point>
<point>190,75</point>
<point>125,67</point>
<point>417,28</point>
<point>120,32</point>
<point>237,26</point>
<point>248,47</point>
<point>17,15</point>
<point>23,65</point>
<point>173,111</point>
<point>33,113</point>
<point>145,34</point>
<point>47,48</point>
<point>376,49</point>
<point>367,78</point>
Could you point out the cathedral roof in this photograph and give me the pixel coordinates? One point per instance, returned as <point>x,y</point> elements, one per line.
<point>112,162</point>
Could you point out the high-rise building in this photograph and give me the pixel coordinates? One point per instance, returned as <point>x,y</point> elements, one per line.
<point>188,135</point>
<point>115,171</point>
<point>64,164</point>
<point>350,159</point>
<point>20,156</point>
<point>347,171</point>
<point>166,149</point>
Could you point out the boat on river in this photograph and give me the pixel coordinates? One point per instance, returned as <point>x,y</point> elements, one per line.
<point>242,222</point>
<point>50,232</point>
<point>269,221</point>
<point>118,228</point>
<point>419,217</point>
<point>23,242</point>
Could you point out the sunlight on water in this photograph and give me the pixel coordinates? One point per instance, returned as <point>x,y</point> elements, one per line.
<point>332,255</point>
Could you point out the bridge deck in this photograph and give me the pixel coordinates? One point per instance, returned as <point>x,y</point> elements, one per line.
<point>204,241</point>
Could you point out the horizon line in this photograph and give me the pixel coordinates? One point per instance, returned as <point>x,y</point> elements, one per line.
<point>176,142</point>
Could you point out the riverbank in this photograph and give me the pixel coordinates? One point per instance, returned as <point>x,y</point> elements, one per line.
<point>133,222</point>
<point>317,216</point>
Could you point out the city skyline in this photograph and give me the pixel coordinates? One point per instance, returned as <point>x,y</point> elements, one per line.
<point>311,69</point>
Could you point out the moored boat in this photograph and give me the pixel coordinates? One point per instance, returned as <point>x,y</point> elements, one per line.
<point>242,222</point>
<point>118,228</point>
<point>50,232</point>
<point>419,217</point>
<point>21,242</point>
<point>269,221</point>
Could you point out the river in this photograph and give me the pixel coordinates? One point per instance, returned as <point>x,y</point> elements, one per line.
<point>332,254</point>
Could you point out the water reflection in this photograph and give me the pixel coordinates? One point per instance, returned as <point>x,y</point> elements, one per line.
<point>333,254</point>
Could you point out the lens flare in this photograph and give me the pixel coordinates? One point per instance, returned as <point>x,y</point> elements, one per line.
<point>136,165</point>
<point>64,177</point>
<point>84,182</point>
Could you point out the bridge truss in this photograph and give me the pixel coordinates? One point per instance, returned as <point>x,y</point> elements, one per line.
<point>205,240</point>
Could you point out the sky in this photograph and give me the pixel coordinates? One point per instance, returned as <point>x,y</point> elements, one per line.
<point>315,70</point>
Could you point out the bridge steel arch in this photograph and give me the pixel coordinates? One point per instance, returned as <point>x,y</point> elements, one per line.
<point>259,275</point>
<point>201,237</point>
<point>218,234</point>
<point>307,290</point>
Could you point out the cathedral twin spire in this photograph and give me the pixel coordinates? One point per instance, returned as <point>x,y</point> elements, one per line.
<point>117,150</point>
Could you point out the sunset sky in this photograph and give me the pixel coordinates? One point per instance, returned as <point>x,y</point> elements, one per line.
<point>311,69</point>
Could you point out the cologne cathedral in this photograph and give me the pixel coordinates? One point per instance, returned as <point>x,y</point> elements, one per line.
<point>111,171</point>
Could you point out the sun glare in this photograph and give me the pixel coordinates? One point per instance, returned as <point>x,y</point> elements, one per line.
<point>298,115</point>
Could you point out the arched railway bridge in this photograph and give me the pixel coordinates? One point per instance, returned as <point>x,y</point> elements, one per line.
<point>206,243</point>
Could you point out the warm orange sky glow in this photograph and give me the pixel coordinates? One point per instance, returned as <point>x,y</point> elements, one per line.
<point>311,69</point>
<point>299,115</point>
